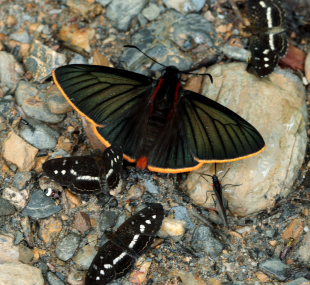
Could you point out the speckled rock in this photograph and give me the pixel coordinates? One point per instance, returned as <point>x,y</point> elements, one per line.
<point>40,206</point>
<point>299,281</point>
<point>272,173</point>
<point>34,103</point>
<point>25,274</point>
<point>67,246</point>
<point>39,135</point>
<point>192,30</point>
<point>122,12</point>
<point>82,222</point>
<point>16,197</point>
<point>107,220</point>
<point>203,242</point>
<point>19,152</point>
<point>43,60</point>
<point>10,72</point>
<point>50,229</point>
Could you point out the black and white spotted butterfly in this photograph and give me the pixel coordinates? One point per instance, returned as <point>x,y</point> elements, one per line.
<point>118,256</point>
<point>87,174</point>
<point>269,40</point>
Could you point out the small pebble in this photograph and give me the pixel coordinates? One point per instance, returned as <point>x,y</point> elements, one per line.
<point>203,241</point>
<point>6,209</point>
<point>275,268</point>
<point>16,197</point>
<point>82,222</point>
<point>84,257</point>
<point>21,179</point>
<point>66,247</point>
<point>53,279</point>
<point>172,228</point>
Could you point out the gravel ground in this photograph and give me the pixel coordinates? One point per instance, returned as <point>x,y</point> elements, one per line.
<point>61,236</point>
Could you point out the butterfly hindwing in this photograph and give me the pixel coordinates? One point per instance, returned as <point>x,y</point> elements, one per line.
<point>118,256</point>
<point>86,174</point>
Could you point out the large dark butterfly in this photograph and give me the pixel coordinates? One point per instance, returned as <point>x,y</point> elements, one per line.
<point>118,256</point>
<point>87,174</point>
<point>159,125</point>
<point>269,42</point>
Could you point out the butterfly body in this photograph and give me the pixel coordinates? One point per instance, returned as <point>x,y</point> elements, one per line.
<point>87,174</point>
<point>159,125</point>
<point>269,40</point>
<point>118,256</point>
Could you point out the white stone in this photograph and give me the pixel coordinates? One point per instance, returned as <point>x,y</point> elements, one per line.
<point>276,107</point>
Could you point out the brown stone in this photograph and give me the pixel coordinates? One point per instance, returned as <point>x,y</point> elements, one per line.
<point>82,222</point>
<point>294,230</point>
<point>19,152</point>
<point>50,229</point>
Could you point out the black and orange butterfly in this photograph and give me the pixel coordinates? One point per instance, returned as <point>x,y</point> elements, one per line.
<point>158,124</point>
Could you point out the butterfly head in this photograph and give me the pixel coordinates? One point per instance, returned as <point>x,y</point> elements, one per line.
<point>171,72</point>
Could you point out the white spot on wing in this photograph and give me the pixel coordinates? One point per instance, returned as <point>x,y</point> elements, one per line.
<point>107,266</point>
<point>117,259</point>
<point>134,241</point>
<point>266,59</point>
<point>142,228</point>
<point>102,272</point>
<point>73,172</point>
<point>269,17</point>
<point>98,278</point>
<point>148,222</point>
<point>271,41</point>
<point>266,65</point>
<point>266,51</point>
<point>64,162</point>
<point>55,171</point>
<point>154,216</point>
<point>262,3</point>
<point>88,178</point>
<point>109,173</point>
<point>63,172</point>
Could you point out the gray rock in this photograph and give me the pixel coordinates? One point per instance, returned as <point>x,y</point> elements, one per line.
<point>151,12</point>
<point>67,246</point>
<point>10,72</point>
<point>185,6</point>
<point>43,60</point>
<point>40,206</point>
<point>192,30</point>
<point>122,12</point>
<point>22,37</point>
<point>53,279</point>
<point>107,220</point>
<point>203,241</point>
<point>275,268</point>
<point>299,281</point>
<point>6,209</point>
<point>39,135</point>
<point>21,179</point>
<point>181,213</point>
<point>34,103</point>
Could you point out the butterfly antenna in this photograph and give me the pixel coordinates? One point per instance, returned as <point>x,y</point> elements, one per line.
<point>131,46</point>
<point>201,74</point>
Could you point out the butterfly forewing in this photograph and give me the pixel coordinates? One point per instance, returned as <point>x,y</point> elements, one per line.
<point>87,174</point>
<point>117,257</point>
<point>101,93</point>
